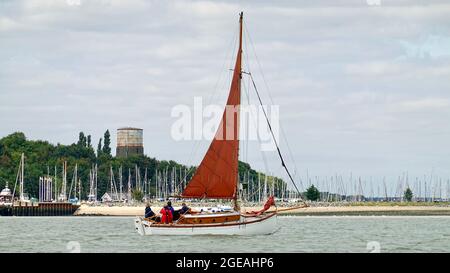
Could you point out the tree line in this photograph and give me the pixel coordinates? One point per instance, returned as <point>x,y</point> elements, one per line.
<point>313,194</point>
<point>43,158</point>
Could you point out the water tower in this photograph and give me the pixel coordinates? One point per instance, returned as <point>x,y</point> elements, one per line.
<point>130,141</point>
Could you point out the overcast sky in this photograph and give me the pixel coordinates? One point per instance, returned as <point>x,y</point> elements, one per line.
<point>362,86</point>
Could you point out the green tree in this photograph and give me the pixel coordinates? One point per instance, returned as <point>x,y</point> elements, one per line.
<point>42,157</point>
<point>137,195</point>
<point>99,148</point>
<point>312,193</point>
<point>107,143</point>
<point>81,140</point>
<point>408,195</point>
<point>89,144</point>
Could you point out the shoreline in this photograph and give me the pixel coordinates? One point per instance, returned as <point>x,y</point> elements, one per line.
<point>86,210</point>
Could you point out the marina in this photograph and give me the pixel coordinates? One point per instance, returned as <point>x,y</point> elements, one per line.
<point>117,199</point>
<point>45,205</point>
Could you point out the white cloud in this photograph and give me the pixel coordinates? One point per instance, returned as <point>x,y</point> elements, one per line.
<point>373,69</point>
<point>424,104</point>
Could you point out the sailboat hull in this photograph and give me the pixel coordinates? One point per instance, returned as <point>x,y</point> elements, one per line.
<point>255,225</point>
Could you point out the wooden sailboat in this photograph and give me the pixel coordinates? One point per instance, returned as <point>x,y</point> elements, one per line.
<point>217,178</point>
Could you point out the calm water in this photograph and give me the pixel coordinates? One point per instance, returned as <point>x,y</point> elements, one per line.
<point>297,234</point>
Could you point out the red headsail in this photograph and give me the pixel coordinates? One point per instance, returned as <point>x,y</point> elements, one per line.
<point>217,174</point>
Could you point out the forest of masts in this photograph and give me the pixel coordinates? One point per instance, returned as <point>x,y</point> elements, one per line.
<point>427,188</point>
<point>135,185</point>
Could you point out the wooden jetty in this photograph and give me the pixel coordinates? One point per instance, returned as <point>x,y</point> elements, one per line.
<point>39,209</point>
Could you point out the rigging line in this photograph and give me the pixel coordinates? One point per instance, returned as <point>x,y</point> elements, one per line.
<point>273,136</point>
<point>270,97</point>
<point>15,184</point>
<point>261,186</point>
<point>246,38</point>
<point>256,191</point>
<point>266,165</point>
<point>71,184</point>
<point>114,184</point>
<point>247,120</point>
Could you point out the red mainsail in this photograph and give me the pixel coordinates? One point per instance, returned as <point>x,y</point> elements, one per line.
<point>217,174</point>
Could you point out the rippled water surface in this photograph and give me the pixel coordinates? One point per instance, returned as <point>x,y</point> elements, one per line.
<point>296,234</point>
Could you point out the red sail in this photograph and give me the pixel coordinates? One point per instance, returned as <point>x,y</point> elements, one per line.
<point>217,174</point>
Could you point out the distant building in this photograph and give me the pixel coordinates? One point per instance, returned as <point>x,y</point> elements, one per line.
<point>130,141</point>
<point>107,197</point>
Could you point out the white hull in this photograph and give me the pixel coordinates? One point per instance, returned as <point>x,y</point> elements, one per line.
<point>247,226</point>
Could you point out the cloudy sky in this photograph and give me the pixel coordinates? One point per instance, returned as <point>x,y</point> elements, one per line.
<point>363,86</point>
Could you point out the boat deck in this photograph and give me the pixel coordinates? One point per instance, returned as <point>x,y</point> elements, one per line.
<point>234,219</point>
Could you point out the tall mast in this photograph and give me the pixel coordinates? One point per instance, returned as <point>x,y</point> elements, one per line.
<point>181,180</point>
<point>111,180</point>
<point>156,182</point>
<point>164,178</point>
<point>129,186</point>
<point>63,196</point>
<point>79,190</point>
<point>120,183</point>
<point>75,180</point>
<point>22,164</point>
<point>265,187</point>
<point>174,180</point>
<point>138,183</point>
<point>91,183</point>
<point>56,187</point>
<point>96,182</point>
<point>239,67</point>
<point>185,178</point>
<point>259,188</point>
<point>145,182</point>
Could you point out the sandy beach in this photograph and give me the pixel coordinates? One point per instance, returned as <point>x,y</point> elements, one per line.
<point>87,210</point>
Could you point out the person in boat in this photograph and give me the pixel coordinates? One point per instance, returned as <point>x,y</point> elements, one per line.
<point>169,204</point>
<point>175,214</point>
<point>184,209</point>
<point>148,212</point>
<point>166,215</point>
